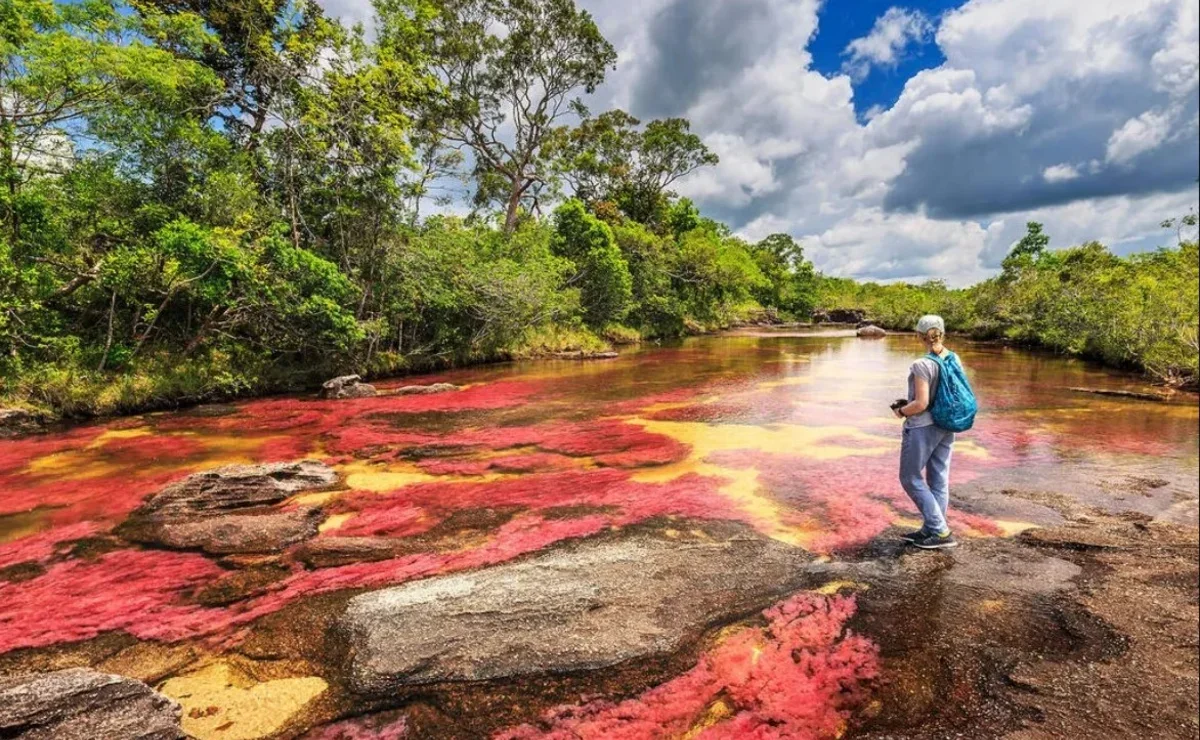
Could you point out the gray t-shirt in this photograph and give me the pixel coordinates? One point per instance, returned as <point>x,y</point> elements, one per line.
<point>927,369</point>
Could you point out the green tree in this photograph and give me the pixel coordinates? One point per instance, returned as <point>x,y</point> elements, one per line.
<point>64,66</point>
<point>265,47</point>
<point>1029,249</point>
<point>601,271</point>
<point>790,280</point>
<point>507,92</point>
<point>607,158</point>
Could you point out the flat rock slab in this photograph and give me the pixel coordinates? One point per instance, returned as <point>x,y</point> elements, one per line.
<point>424,390</point>
<point>82,704</point>
<point>236,487</point>
<point>234,509</point>
<point>596,604</point>
<point>231,534</point>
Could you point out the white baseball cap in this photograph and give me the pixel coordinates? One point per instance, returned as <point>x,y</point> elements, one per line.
<point>930,321</point>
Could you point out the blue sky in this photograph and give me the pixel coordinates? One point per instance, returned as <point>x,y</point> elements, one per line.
<point>914,140</point>
<point>842,21</point>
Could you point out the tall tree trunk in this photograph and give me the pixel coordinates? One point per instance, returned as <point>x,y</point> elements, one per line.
<point>8,170</point>
<point>514,205</point>
<point>112,309</point>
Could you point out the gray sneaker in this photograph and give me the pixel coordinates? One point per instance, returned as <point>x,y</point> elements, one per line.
<point>936,542</point>
<point>914,536</point>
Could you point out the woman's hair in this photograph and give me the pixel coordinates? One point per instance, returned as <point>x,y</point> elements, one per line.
<point>935,335</point>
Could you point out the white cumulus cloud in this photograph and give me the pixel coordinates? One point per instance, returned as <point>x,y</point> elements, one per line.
<point>893,32</point>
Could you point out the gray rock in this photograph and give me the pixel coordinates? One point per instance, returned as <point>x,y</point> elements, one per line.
<point>416,390</point>
<point>1184,513</point>
<point>16,422</point>
<point>235,487</point>
<point>239,533</point>
<point>347,386</point>
<point>871,331</point>
<point>588,606</point>
<point>234,509</point>
<point>82,704</point>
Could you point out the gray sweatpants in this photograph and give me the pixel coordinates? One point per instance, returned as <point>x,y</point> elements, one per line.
<point>925,473</point>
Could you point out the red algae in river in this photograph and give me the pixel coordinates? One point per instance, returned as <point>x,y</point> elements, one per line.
<point>539,456</point>
<point>798,678</point>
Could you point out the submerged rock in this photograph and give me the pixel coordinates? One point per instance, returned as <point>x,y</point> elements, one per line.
<point>415,390</point>
<point>82,704</point>
<point>1158,397</point>
<point>234,509</point>
<point>581,355</point>
<point>347,386</point>
<point>870,331</point>
<point>589,606</point>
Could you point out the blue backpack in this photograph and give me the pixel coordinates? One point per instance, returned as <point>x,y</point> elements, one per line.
<point>953,406</point>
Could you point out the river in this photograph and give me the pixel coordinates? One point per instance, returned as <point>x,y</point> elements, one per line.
<point>777,438</point>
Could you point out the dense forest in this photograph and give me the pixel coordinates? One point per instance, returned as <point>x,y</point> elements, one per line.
<point>206,199</point>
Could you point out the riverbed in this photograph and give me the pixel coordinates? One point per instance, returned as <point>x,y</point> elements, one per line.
<point>694,540</point>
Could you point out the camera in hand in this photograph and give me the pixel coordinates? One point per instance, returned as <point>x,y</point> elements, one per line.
<point>899,403</point>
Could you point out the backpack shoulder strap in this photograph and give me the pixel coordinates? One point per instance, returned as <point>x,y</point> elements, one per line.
<point>933,387</point>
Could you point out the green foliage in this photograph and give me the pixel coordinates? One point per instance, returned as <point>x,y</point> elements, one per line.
<point>1138,312</point>
<point>511,63</point>
<point>602,273</point>
<point>791,281</point>
<point>607,158</point>
<point>1027,251</point>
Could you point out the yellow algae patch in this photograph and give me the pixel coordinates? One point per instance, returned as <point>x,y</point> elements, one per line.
<point>120,434</point>
<point>831,588</point>
<point>223,449</point>
<point>742,488</point>
<point>1010,527</point>
<point>767,515</point>
<point>780,439</point>
<point>16,526</point>
<point>90,461</point>
<point>718,711</point>
<point>221,701</point>
<point>363,476</point>
<point>335,521</point>
<point>989,606</point>
<point>320,498</point>
<point>970,448</point>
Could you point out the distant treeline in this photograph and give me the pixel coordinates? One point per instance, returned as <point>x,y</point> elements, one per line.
<point>202,200</point>
<point>1138,312</point>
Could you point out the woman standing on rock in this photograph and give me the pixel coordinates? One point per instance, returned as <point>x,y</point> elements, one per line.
<point>925,451</point>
